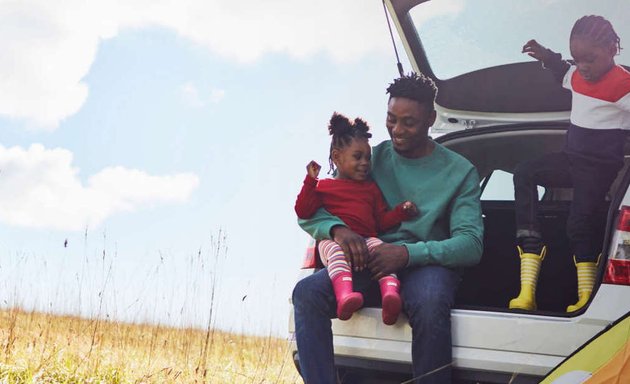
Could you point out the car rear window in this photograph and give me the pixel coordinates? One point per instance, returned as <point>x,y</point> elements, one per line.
<point>463,36</point>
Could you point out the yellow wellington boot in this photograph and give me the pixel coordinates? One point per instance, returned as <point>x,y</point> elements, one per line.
<point>530,268</point>
<point>586,273</point>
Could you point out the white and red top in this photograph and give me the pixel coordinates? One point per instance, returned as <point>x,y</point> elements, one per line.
<point>600,115</point>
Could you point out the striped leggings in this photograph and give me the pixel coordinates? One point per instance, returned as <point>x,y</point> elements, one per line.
<point>334,259</point>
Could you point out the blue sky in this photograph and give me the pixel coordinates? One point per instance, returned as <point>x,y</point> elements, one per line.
<point>140,130</point>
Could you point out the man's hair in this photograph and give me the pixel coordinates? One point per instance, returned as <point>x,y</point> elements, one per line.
<point>414,86</point>
<point>597,29</point>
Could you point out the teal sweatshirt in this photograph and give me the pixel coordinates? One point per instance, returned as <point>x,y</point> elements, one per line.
<point>445,188</point>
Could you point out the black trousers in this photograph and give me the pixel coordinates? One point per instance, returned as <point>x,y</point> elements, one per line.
<point>590,181</point>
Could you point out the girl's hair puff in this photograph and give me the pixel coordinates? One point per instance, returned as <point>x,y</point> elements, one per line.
<point>598,29</point>
<point>343,131</point>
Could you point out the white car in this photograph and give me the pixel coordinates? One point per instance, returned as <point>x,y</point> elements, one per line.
<point>498,107</point>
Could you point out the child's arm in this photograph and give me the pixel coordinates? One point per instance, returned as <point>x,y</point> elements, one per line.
<point>309,201</point>
<point>550,59</point>
<point>386,220</point>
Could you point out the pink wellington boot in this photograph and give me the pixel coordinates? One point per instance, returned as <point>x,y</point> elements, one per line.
<point>348,301</point>
<point>392,303</point>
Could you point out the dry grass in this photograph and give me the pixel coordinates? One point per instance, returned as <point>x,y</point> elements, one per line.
<point>42,348</point>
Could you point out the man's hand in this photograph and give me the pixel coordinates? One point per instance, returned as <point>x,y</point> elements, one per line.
<point>535,50</point>
<point>386,259</point>
<point>312,169</point>
<point>353,246</point>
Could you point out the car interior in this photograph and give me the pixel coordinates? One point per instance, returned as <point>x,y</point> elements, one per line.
<point>492,283</point>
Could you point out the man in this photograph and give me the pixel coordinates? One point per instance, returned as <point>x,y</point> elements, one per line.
<point>427,252</point>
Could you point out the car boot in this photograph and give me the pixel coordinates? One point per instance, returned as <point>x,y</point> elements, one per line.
<point>586,273</point>
<point>530,269</point>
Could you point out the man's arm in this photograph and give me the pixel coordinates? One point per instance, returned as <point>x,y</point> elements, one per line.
<point>463,248</point>
<point>465,245</point>
<point>320,224</point>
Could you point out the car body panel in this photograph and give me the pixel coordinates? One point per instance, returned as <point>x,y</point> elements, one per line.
<point>492,341</point>
<point>449,120</point>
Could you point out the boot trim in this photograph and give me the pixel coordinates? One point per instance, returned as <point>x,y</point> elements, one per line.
<point>542,255</point>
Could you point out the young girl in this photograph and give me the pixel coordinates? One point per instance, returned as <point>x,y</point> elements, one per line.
<point>358,202</point>
<point>590,160</point>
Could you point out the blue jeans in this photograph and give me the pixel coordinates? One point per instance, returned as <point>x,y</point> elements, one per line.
<point>428,295</point>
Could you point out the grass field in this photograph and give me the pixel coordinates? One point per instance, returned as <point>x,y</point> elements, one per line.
<point>43,348</point>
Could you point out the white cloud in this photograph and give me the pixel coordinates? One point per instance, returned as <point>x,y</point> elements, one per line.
<point>191,96</point>
<point>433,9</point>
<point>216,95</point>
<point>40,188</point>
<point>49,46</point>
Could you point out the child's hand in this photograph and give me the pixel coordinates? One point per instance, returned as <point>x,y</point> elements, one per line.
<point>535,50</point>
<point>313,169</point>
<point>410,209</point>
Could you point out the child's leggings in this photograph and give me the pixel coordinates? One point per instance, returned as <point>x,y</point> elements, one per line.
<point>334,259</point>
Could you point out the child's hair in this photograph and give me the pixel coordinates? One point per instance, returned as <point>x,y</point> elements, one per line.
<point>343,131</point>
<point>598,29</point>
<point>414,86</point>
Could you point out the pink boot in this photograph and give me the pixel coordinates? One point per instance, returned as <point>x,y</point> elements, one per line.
<point>392,303</point>
<point>348,301</point>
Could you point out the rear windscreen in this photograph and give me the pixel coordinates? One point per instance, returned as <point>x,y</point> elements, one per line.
<point>463,36</point>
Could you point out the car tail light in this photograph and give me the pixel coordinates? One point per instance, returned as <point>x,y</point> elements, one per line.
<point>618,268</point>
<point>311,257</point>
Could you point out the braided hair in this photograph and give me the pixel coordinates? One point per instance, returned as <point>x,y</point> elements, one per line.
<point>414,86</point>
<point>597,29</point>
<point>343,131</point>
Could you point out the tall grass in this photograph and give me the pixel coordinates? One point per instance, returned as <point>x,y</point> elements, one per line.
<point>46,347</point>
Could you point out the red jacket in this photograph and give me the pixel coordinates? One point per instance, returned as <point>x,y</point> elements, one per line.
<point>359,204</point>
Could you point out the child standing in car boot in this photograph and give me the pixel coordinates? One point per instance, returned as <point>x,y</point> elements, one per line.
<point>590,160</point>
<point>358,202</point>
